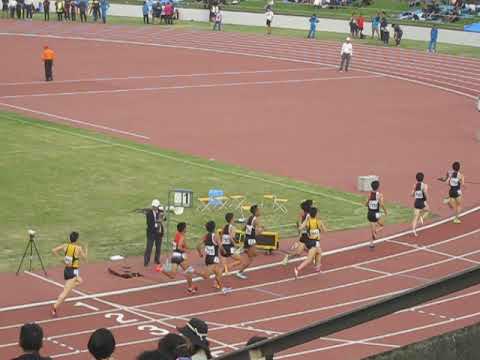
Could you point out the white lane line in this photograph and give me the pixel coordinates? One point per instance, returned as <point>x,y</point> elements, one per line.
<point>363,263</point>
<point>183,87</point>
<point>298,295</point>
<point>80,122</point>
<point>165,76</point>
<point>432,251</point>
<point>126,291</point>
<point>206,49</point>
<point>119,306</point>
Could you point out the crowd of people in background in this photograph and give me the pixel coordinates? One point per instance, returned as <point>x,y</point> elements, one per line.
<point>190,343</point>
<point>65,10</point>
<point>380,28</point>
<point>164,13</point>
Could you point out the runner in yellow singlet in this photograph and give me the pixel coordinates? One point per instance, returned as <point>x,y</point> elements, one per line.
<point>72,254</point>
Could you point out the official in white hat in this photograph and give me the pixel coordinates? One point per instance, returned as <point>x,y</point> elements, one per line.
<point>346,54</point>
<point>154,232</point>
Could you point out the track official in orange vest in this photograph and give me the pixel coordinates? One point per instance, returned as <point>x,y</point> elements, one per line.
<point>48,56</point>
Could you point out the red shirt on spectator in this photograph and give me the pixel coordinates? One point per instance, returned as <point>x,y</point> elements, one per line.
<point>360,22</point>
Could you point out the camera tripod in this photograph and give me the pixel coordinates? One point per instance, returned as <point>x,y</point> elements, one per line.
<point>31,246</point>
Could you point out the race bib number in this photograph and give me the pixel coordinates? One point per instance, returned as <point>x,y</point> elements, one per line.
<point>419,194</point>
<point>459,192</point>
<point>226,239</point>
<point>216,260</point>
<point>178,255</point>
<point>378,215</point>
<point>68,260</point>
<point>248,229</point>
<point>373,204</point>
<point>315,233</point>
<point>210,250</point>
<point>251,242</point>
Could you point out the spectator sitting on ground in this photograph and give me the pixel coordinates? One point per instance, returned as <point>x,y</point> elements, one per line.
<point>31,341</point>
<point>102,344</point>
<point>257,339</point>
<point>397,34</point>
<point>195,332</point>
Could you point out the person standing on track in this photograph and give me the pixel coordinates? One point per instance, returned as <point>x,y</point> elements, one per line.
<point>374,203</point>
<point>48,56</point>
<point>46,10</point>
<point>455,180</point>
<point>269,17</point>
<point>314,227</point>
<point>313,26</point>
<point>420,206</point>
<point>432,45</point>
<point>179,258</point>
<point>252,228</point>
<point>298,246</point>
<point>154,218</point>
<point>228,244</point>
<point>72,255</point>
<point>346,54</point>
<point>211,247</point>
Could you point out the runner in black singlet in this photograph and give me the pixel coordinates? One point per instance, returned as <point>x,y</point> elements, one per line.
<point>228,243</point>
<point>420,206</point>
<point>455,181</point>
<point>211,249</point>
<point>252,228</point>
<point>374,203</point>
<point>298,247</point>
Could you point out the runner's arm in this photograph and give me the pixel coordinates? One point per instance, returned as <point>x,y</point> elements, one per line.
<point>58,248</point>
<point>382,204</point>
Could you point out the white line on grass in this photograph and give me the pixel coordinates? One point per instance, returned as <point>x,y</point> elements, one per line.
<point>188,162</point>
<point>79,122</point>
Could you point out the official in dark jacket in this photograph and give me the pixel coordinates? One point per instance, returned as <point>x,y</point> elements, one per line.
<point>154,232</point>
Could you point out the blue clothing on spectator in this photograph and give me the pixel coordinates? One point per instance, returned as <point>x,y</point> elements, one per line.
<point>434,34</point>
<point>376,22</point>
<point>145,9</point>
<point>432,46</point>
<point>104,5</point>
<point>313,26</point>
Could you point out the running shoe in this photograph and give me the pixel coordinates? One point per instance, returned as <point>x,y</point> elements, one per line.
<point>241,275</point>
<point>285,260</point>
<point>226,290</point>
<point>415,233</point>
<point>371,246</point>
<point>318,268</point>
<point>457,221</point>
<point>295,271</point>
<point>53,312</point>
<point>192,290</point>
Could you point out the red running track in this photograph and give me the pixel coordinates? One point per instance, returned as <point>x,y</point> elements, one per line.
<point>401,96</point>
<point>271,302</point>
